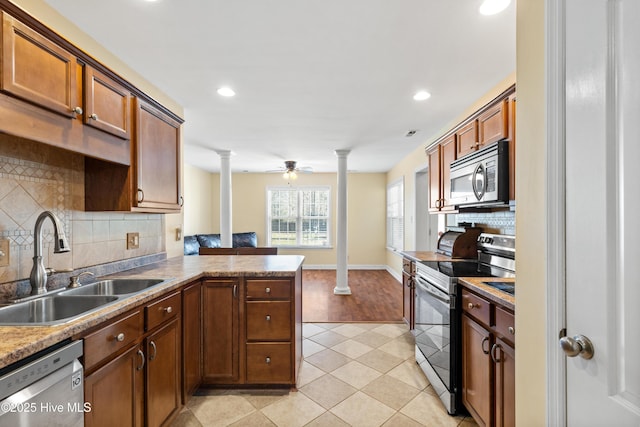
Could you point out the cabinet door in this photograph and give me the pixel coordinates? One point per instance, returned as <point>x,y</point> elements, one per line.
<point>433,159</point>
<point>157,160</point>
<point>407,299</point>
<point>505,394</point>
<point>164,395</point>
<point>191,339</point>
<point>477,371</point>
<point>220,331</point>
<point>493,124</point>
<point>116,392</point>
<point>467,137</point>
<point>36,69</point>
<point>106,104</point>
<point>512,147</point>
<point>448,155</point>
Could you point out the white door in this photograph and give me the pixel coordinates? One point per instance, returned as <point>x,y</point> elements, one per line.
<point>603,210</point>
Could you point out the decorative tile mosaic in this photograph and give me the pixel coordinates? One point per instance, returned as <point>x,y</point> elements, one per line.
<point>502,222</point>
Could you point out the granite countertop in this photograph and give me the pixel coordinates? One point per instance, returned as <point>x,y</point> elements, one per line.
<point>495,295</point>
<point>19,342</point>
<point>418,256</point>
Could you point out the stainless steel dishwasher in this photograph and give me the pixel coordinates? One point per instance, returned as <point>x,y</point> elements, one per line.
<point>46,390</point>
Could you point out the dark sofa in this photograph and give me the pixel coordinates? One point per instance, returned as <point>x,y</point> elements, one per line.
<point>193,243</point>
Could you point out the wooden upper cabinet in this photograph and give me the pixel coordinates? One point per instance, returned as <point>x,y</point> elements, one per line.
<point>37,70</point>
<point>433,160</point>
<point>467,137</point>
<point>439,160</point>
<point>448,155</point>
<point>157,159</point>
<point>493,123</point>
<point>512,147</point>
<point>106,104</point>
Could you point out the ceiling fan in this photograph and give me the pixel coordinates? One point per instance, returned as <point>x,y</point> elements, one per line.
<point>291,171</point>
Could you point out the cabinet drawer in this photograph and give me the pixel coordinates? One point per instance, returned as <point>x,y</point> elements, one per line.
<point>269,363</point>
<point>268,321</point>
<point>162,310</point>
<point>505,325</point>
<point>477,307</point>
<point>108,340</point>
<point>268,289</point>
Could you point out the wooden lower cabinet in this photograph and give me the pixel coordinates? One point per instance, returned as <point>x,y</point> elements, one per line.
<point>252,330</point>
<point>163,379</point>
<point>133,374</point>
<point>116,391</point>
<point>220,331</point>
<point>191,339</point>
<point>505,370</point>
<point>477,371</point>
<point>488,361</point>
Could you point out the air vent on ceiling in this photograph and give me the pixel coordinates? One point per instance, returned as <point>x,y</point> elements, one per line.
<point>411,132</point>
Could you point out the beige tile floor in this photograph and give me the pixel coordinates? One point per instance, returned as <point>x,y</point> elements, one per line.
<point>353,374</point>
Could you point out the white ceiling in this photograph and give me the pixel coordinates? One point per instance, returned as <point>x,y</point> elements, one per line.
<point>311,76</point>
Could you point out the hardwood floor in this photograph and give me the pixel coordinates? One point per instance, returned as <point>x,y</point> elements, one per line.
<point>376,297</point>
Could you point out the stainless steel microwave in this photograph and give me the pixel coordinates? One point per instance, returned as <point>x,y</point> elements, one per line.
<point>482,177</point>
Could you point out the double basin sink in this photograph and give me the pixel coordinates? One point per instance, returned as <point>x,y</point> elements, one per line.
<point>71,304</point>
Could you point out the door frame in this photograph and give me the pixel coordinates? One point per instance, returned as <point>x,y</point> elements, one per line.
<point>555,78</point>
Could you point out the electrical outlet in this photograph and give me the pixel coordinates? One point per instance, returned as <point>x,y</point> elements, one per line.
<point>4,252</point>
<point>178,233</point>
<point>133,240</point>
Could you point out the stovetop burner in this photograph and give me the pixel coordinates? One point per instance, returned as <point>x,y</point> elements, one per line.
<point>508,287</point>
<point>461,268</point>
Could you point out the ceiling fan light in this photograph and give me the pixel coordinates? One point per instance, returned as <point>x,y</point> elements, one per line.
<point>492,7</point>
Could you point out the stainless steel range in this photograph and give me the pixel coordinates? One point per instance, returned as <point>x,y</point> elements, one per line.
<point>438,313</point>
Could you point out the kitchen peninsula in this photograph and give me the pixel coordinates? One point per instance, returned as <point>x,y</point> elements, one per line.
<point>216,320</point>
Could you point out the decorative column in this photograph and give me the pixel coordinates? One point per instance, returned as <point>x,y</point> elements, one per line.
<point>225,199</point>
<point>342,281</point>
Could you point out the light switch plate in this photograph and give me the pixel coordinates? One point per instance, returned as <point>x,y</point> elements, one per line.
<point>4,252</point>
<point>133,240</point>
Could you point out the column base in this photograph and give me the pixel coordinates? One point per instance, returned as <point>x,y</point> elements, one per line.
<point>342,291</point>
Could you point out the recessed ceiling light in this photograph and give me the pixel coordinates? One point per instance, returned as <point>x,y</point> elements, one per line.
<point>491,7</point>
<point>421,95</point>
<point>226,91</point>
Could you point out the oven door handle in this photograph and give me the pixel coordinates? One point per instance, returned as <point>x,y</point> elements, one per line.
<point>419,282</point>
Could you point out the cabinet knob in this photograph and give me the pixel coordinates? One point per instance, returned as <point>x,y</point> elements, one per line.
<point>78,110</point>
<point>267,290</point>
<point>119,337</point>
<point>512,331</point>
<point>268,318</point>
<point>167,310</point>
<point>472,306</point>
<point>267,360</point>
<point>94,116</point>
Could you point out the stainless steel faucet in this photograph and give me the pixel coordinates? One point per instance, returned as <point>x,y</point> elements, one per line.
<point>39,273</point>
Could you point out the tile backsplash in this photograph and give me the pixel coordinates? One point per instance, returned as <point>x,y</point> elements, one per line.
<point>35,177</point>
<point>501,222</point>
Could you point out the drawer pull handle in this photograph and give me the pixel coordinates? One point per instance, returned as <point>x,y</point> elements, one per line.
<point>268,318</point>
<point>511,330</point>
<point>267,360</point>
<point>267,290</point>
<point>167,310</point>
<point>493,353</point>
<point>119,337</point>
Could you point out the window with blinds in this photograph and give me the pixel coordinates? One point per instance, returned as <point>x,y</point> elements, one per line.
<point>395,215</point>
<point>298,217</point>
